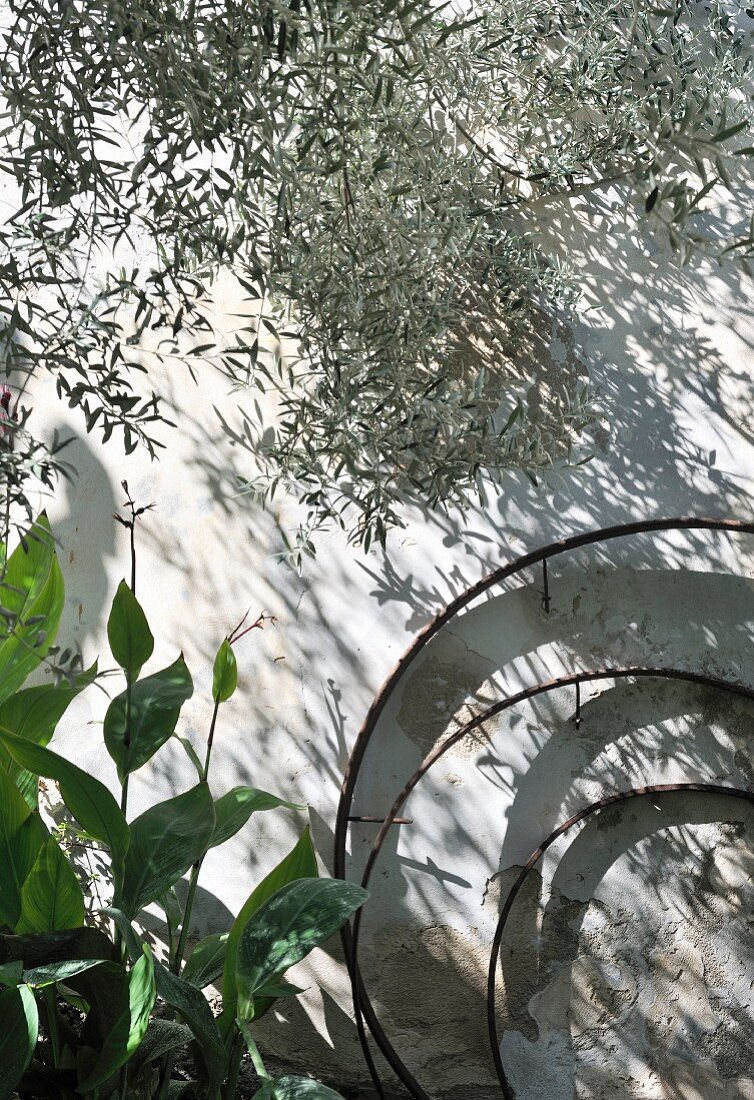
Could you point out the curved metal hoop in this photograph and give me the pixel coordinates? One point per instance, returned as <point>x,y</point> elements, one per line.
<point>364,1011</point>
<point>534,858</point>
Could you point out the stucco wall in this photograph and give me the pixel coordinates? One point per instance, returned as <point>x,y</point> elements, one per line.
<point>629,966</point>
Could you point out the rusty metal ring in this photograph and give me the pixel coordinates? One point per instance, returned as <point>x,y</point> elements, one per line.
<point>497,576</point>
<point>534,858</point>
<point>364,1011</point>
<point>362,1002</point>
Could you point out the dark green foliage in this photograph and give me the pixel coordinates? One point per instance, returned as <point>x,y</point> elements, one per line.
<point>48,953</point>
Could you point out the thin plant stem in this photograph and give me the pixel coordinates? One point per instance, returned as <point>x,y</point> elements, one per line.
<point>210,740</point>
<point>194,879</point>
<point>193,882</point>
<point>126,742</point>
<point>131,525</point>
<point>133,556</point>
<point>234,1067</point>
<point>165,1075</point>
<point>253,1049</point>
<point>52,1022</point>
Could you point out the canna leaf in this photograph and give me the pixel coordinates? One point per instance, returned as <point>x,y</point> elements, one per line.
<point>301,862</point>
<point>233,810</point>
<point>90,802</point>
<point>289,925</point>
<point>22,834</point>
<point>137,998</point>
<point>155,707</point>
<point>295,1088</point>
<point>51,896</point>
<point>205,963</point>
<point>165,841</point>
<point>18,1035</point>
<point>33,714</point>
<point>128,632</point>
<point>32,594</point>
<point>40,976</point>
<point>193,1007</point>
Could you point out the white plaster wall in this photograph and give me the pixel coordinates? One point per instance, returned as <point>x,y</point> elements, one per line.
<point>671,359</point>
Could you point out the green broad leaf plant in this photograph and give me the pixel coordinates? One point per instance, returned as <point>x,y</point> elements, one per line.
<point>86,1007</point>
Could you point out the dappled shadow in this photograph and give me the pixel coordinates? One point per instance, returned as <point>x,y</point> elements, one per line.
<point>668,353</point>
<point>496,793</point>
<point>636,958</point>
<point>426,945</point>
<point>668,356</point>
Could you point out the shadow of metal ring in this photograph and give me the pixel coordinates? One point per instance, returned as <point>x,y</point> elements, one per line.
<point>534,858</point>
<point>363,1009</point>
<point>362,1003</point>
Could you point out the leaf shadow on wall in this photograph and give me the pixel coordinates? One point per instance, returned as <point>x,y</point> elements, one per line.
<point>518,776</point>
<point>427,976</point>
<point>668,353</point>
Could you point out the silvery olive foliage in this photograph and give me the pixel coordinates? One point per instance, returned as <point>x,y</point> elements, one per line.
<point>373,174</point>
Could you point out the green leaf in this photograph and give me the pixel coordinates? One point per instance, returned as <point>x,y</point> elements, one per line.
<point>33,592</point>
<point>22,834</point>
<point>40,976</point>
<point>128,932</point>
<point>90,802</point>
<point>33,714</point>
<point>162,1036</point>
<point>276,989</point>
<point>156,703</point>
<point>142,993</point>
<point>224,673</point>
<point>192,1005</point>
<point>191,753</point>
<point>104,991</point>
<point>286,928</point>
<point>729,131</point>
<point>165,841</point>
<point>233,810</point>
<point>205,963</point>
<point>57,947</point>
<point>301,862</point>
<point>265,1093</point>
<point>51,897</point>
<point>12,973</point>
<point>18,1035</point>
<point>176,1089</point>
<point>295,1088</point>
<point>130,1026</point>
<point>172,907</point>
<point>128,632</point>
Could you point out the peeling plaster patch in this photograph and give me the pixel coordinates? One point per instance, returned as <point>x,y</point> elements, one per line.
<point>450,777</point>
<point>429,990</point>
<point>538,1069</point>
<point>437,699</point>
<point>645,989</point>
<point>587,995</point>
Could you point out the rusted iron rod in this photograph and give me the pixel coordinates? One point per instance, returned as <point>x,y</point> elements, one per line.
<point>362,1004</point>
<point>370,819</point>
<point>497,576</point>
<point>534,858</point>
<point>361,996</point>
